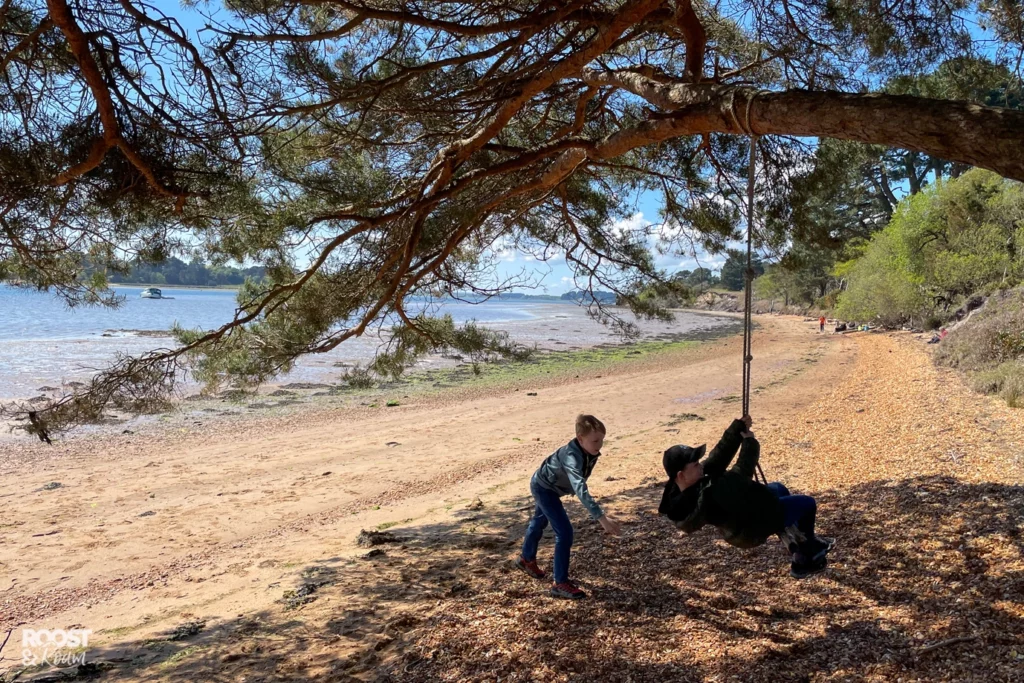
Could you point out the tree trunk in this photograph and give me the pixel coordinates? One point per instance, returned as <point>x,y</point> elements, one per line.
<point>910,166</point>
<point>887,199</point>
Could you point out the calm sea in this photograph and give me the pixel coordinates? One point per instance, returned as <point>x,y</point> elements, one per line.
<point>43,343</point>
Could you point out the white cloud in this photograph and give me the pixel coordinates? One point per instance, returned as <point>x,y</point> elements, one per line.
<point>703,261</point>
<point>632,225</point>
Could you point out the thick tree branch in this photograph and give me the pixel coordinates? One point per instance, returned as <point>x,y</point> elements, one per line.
<point>885,188</point>
<point>695,37</point>
<point>622,21</point>
<point>988,137</point>
<point>343,30</point>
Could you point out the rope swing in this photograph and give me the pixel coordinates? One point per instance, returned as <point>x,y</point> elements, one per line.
<point>748,326</point>
<point>748,290</point>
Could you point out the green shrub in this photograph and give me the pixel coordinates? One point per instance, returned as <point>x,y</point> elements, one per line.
<point>358,378</point>
<point>1013,388</point>
<point>951,240</point>
<point>1009,343</point>
<point>881,288</point>
<point>829,301</point>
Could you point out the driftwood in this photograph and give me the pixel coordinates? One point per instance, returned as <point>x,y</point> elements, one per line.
<point>945,643</point>
<point>37,427</point>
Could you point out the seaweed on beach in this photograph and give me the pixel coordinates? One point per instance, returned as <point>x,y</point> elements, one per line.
<point>679,418</point>
<point>312,580</point>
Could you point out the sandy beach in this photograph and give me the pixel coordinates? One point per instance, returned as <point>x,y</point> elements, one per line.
<point>226,551</point>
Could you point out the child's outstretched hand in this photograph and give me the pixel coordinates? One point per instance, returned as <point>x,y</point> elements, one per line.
<point>610,525</point>
<point>747,420</point>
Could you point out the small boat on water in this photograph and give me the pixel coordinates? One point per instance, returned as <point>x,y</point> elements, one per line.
<point>154,293</point>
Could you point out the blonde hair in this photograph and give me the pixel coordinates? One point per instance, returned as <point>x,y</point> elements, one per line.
<point>585,424</point>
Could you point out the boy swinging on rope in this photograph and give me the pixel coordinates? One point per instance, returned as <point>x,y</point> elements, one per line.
<point>746,511</point>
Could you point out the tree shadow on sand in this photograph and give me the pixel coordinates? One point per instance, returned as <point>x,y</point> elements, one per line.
<point>919,561</point>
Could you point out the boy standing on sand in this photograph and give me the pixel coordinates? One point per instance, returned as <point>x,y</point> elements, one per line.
<point>563,472</point>
<point>821,324</point>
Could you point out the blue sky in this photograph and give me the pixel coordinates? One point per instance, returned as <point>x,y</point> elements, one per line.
<point>555,275</point>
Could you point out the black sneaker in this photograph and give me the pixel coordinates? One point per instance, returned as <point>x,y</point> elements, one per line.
<point>816,548</point>
<point>829,542</point>
<point>801,570</point>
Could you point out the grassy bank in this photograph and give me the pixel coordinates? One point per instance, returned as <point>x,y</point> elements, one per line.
<point>989,347</point>
<point>544,368</point>
<point>556,366</point>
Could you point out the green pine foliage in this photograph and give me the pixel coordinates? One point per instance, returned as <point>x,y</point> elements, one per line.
<point>952,240</point>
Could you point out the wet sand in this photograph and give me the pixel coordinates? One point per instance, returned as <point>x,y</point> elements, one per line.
<point>555,331</point>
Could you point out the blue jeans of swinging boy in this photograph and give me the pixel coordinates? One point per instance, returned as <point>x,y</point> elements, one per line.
<point>798,511</point>
<point>548,508</point>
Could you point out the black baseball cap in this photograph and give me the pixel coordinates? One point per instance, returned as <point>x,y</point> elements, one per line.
<point>678,457</point>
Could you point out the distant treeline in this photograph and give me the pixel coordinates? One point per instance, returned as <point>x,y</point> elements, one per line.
<point>603,297</point>
<point>174,271</point>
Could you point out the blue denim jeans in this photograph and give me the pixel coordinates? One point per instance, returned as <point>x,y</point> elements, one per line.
<point>549,509</point>
<point>798,511</point>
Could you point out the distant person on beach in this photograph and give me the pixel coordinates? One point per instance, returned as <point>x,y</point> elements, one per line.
<point>821,324</point>
<point>744,510</point>
<point>564,472</point>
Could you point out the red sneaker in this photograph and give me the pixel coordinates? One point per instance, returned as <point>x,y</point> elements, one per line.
<point>530,567</point>
<point>567,590</point>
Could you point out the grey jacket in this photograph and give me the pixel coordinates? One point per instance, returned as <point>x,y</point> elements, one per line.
<point>566,471</point>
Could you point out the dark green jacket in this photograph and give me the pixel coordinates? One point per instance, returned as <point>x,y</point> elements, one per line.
<point>566,471</point>
<point>745,511</point>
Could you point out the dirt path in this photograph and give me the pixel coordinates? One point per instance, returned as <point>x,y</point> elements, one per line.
<point>242,521</point>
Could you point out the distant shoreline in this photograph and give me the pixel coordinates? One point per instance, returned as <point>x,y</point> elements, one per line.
<point>510,297</point>
<point>460,378</point>
<point>40,352</point>
<point>145,285</point>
